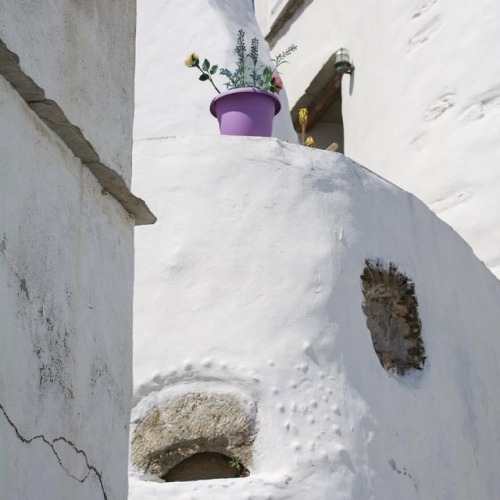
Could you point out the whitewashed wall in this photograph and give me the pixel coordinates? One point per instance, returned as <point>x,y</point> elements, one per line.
<point>423,105</point>
<point>81,53</point>
<point>170,100</point>
<point>66,249</point>
<point>66,277</point>
<point>251,279</point>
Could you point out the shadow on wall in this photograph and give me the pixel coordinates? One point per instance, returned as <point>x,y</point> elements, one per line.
<point>206,465</point>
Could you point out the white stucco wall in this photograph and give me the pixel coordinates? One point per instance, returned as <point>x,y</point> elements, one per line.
<point>66,279</point>
<point>423,104</point>
<point>170,100</point>
<point>81,54</point>
<point>251,279</point>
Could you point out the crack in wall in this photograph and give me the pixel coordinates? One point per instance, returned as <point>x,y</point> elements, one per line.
<point>51,444</point>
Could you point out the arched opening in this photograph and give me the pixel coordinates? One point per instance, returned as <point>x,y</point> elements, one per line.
<point>323,100</point>
<point>196,435</point>
<point>206,465</point>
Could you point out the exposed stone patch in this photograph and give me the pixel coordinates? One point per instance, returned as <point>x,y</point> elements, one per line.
<point>190,424</point>
<point>391,316</point>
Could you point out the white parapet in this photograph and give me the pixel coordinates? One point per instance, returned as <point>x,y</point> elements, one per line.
<point>249,289</point>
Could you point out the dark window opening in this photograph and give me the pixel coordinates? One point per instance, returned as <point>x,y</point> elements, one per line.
<point>206,465</point>
<point>323,100</point>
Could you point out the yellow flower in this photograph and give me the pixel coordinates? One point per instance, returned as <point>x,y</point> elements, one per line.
<point>303,116</point>
<point>192,60</point>
<point>309,142</point>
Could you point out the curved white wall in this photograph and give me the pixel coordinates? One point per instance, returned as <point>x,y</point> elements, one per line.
<point>251,279</point>
<point>423,106</point>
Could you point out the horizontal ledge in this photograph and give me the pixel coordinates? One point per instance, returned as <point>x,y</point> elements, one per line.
<point>53,116</point>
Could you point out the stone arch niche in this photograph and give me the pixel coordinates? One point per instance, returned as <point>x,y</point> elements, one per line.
<point>195,436</point>
<point>390,307</point>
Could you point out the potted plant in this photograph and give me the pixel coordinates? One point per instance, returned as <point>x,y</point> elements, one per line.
<point>249,104</point>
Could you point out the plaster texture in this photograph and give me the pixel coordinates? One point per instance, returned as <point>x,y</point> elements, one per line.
<point>66,284</point>
<point>89,46</point>
<point>170,100</point>
<point>423,104</point>
<point>252,279</point>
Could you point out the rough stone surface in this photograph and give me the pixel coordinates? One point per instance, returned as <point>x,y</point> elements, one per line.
<point>390,307</point>
<point>191,424</point>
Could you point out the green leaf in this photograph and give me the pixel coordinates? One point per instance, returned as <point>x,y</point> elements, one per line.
<point>203,77</point>
<point>206,65</point>
<point>213,69</point>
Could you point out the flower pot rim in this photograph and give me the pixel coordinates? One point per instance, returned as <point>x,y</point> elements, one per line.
<point>246,90</point>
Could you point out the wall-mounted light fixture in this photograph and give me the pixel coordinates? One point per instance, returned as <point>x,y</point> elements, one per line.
<point>342,62</point>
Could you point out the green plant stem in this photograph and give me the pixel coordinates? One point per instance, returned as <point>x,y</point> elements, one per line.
<point>209,78</point>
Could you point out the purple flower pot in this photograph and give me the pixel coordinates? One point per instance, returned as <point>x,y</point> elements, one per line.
<point>246,111</point>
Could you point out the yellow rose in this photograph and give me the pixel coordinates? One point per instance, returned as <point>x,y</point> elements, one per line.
<point>192,60</point>
<point>303,115</point>
<point>309,142</point>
